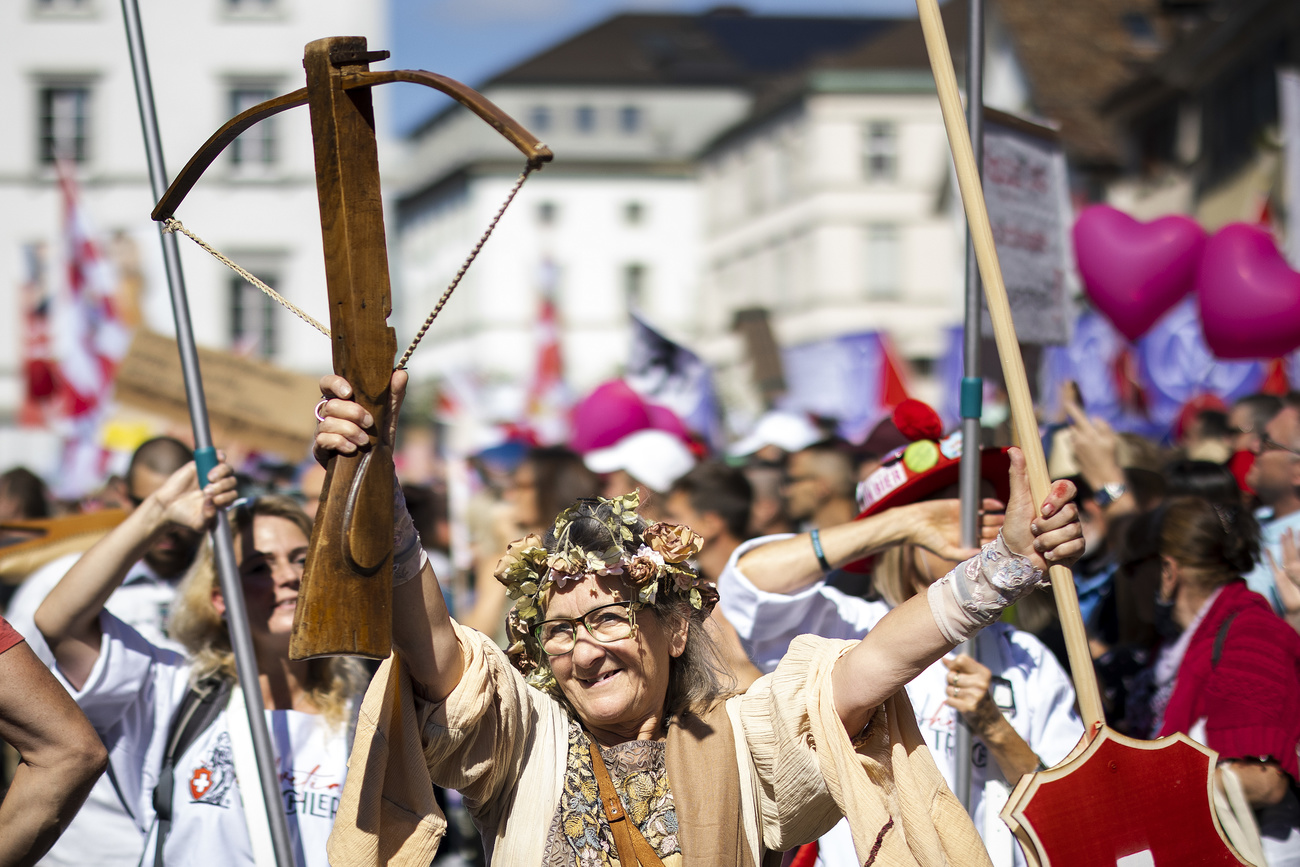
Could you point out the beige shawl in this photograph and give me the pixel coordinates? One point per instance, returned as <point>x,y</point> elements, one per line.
<point>795,757</point>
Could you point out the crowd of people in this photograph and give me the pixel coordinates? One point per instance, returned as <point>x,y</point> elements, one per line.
<point>649,653</point>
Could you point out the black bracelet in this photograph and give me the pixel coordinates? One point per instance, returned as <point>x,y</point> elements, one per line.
<point>815,535</point>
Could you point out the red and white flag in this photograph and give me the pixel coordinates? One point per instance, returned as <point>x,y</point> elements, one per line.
<point>549,400</point>
<point>89,340</point>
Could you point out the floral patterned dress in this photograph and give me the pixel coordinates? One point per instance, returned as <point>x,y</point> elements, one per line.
<point>580,834</point>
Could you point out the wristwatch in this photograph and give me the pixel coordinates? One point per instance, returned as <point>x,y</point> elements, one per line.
<point>1109,493</point>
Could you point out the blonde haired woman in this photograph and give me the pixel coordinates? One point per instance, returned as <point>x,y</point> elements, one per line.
<point>136,694</point>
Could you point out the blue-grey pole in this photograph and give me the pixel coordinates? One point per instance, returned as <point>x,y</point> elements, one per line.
<point>205,455</point>
<point>972,386</point>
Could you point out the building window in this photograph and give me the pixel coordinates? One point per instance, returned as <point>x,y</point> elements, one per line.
<point>256,147</point>
<point>880,151</point>
<point>64,123</point>
<point>62,8</point>
<point>634,284</point>
<point>252,317</point>
<point>539,118</point>
<point>548,213</point>
<point>883,262</point>
<point>251,8</point>
<point>585,118</point>
<point>629,119</point>
<point>634,213</point>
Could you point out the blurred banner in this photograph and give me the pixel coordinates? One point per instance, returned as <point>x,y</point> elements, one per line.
<point>856,379</point>
<point>670,375</point>
<point>1288,94</point>
<point>1028,197</point>
<point>1169,366</point>
<point>250,403</point>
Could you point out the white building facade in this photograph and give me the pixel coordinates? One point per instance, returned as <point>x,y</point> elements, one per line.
<point>834,215</point>
<point>610,227</point>
<point>73,95</point>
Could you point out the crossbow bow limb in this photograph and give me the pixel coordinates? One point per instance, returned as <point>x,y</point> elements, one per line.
<point>345,600</point>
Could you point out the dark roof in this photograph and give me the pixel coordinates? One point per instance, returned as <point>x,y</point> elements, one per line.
<point>1238,33</point>
<point>898,46</point>
<point>713,48</point>
<point>726,47</point>
<point>1076,54</point>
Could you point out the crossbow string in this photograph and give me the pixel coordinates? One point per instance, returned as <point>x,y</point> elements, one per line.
<point>171,224</point>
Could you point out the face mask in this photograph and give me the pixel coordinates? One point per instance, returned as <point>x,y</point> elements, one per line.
<point>1239,464</point>
<point>1165,624</point>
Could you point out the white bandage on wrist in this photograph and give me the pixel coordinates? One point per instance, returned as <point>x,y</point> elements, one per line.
<point>408,554</point>
<point>972,595</point>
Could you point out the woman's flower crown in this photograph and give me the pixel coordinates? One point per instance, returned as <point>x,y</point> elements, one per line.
<point>659,564</point>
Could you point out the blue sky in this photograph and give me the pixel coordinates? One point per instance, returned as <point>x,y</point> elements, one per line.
<point>470,40</point>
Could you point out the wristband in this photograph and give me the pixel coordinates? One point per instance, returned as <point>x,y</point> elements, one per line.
<point>407,549</point>
<point>815,535</point>
<point>974,594</point>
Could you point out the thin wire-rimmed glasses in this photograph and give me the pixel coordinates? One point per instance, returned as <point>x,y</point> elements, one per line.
<point>1268,444</point>
<point>605,623</point>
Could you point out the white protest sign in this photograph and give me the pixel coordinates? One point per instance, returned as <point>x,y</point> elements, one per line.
<point>1027,192</point>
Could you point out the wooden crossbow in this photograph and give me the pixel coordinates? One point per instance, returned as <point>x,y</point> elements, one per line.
<point>345,601</point>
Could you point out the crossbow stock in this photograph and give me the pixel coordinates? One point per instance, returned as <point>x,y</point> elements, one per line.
<point>345,601</point>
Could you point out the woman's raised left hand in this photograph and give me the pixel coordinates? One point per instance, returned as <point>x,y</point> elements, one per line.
<point>1049,535</point>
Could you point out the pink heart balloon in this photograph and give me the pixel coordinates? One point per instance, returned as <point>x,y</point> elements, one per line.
<point>1134,272</point>
<point>1249,296</point>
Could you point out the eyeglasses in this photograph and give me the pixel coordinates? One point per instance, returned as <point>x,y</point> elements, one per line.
<point>1268,444</point>
<point>605,623</point>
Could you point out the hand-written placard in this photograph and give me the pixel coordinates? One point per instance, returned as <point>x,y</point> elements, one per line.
<point>250,402</point>
<point>1026,189</point>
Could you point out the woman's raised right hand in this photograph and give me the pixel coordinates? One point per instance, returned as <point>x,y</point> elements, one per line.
<point>346,424</point>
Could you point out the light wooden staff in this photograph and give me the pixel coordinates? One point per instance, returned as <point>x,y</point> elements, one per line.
<point>1004,332</point>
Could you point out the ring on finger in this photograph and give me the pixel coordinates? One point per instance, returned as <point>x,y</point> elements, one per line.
<point>320,406</point>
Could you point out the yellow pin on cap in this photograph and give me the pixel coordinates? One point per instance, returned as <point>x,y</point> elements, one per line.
<point>921,456</point>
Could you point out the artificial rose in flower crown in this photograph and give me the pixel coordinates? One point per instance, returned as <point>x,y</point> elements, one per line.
<point>676,543</point>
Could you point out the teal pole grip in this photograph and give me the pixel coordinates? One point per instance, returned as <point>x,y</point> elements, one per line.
<point>972,397</point>
<point>205,461</point>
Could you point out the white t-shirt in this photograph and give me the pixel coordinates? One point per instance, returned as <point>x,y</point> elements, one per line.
<point>102,829</point>
<point>1037,697</point>
<point>130,697</point>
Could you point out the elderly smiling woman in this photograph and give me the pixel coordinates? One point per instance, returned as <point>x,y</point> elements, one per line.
<point>614,739</point>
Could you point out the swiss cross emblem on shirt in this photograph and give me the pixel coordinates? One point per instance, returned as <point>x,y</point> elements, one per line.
<point>200,782</point>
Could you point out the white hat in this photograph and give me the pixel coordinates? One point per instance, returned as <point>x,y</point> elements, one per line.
<point>789,431</point>
<point>654,458</point>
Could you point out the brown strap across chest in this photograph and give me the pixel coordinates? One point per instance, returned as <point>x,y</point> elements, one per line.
<point>633,848</point>
<point>701,762</point>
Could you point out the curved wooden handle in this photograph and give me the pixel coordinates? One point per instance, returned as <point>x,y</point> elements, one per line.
<point>212,148</point>
<point>533,150</point>
<point>1013,366</point>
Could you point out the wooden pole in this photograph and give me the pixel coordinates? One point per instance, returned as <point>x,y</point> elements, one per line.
<point>1013,366</point>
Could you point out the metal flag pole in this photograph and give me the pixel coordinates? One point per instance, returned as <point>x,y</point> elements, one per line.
<point>972,386</point>
<point>205,455</point>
